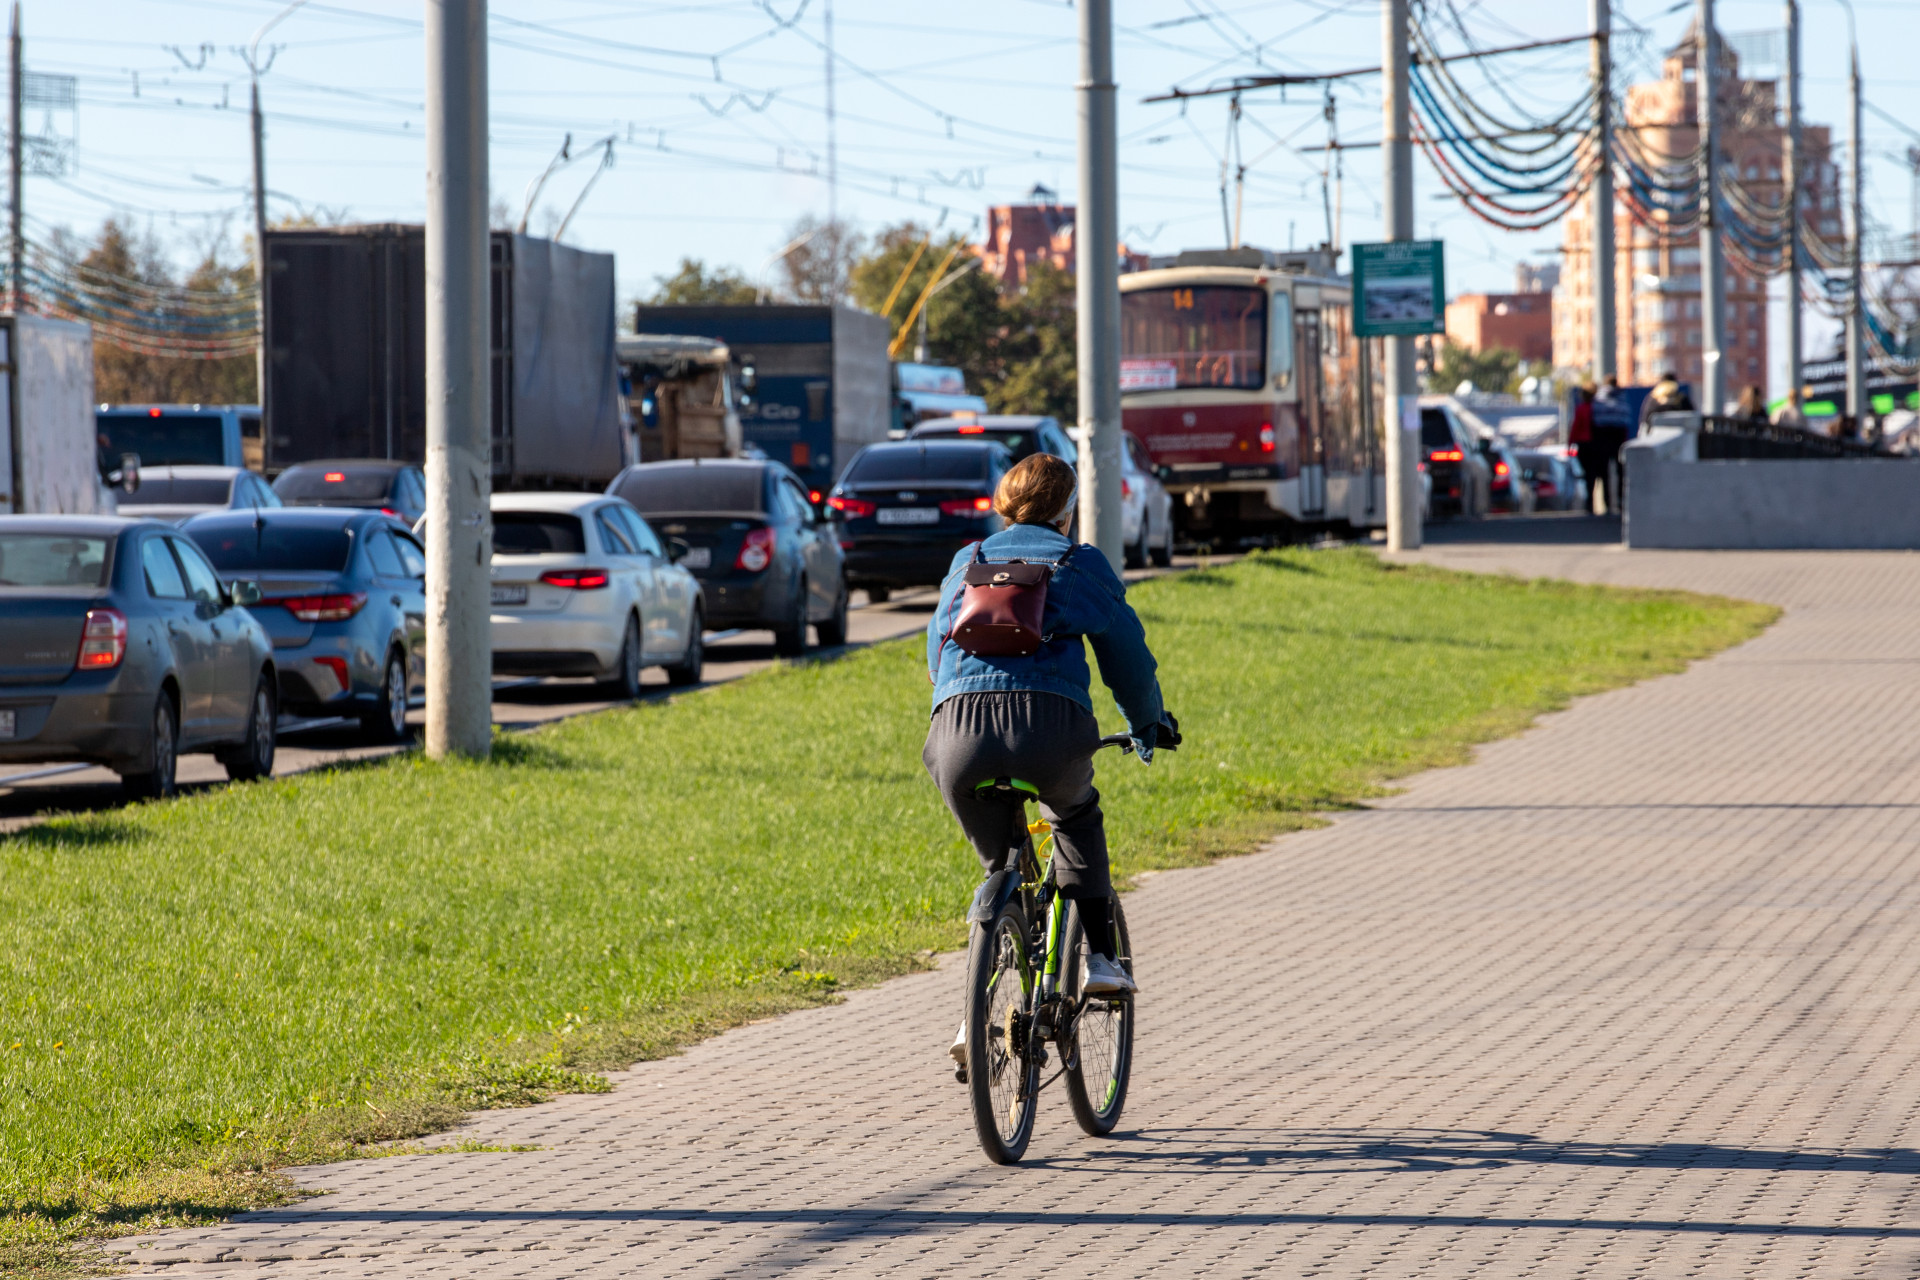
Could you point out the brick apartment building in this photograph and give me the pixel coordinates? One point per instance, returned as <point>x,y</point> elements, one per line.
<point>1657,289</point>
<point>1521,322</point>
<point>1019,236</point>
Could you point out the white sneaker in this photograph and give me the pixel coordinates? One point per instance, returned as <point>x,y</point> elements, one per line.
<point>1104,977</point>
<point>959,1049</point>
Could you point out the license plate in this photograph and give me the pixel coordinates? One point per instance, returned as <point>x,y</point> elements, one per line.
<point>697,558</point>
<point>909,515</point>
<point>6,724</point>
<point>509,595</point>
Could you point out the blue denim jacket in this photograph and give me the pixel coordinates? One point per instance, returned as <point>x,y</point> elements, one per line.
<point>1085,599</point>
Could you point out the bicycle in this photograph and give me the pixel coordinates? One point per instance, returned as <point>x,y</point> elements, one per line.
<point>1020,916</point>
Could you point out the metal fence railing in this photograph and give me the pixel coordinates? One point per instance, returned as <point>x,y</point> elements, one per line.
<point>1723,437</point>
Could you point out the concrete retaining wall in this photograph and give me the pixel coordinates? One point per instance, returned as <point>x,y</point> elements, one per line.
<point>1817,503</point>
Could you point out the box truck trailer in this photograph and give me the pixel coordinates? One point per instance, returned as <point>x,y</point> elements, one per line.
<point>50,458</point>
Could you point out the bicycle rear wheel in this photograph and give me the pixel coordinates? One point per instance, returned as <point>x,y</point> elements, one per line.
<point>1003,1077</point>
<point>1102,1056</point>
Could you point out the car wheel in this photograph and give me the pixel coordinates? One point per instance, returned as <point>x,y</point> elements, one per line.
<point>687,671</point>
<point>158,783</point>
<point>879,595</point>
<point>790,641</point>
<point>1134,554</point>
<point>833,631</point>
<point>625,684</point>
<point>253,759</point>
<point>387,722</point>
<point>1163,554</point>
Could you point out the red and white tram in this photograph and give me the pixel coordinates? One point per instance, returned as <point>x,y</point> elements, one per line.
<point>1240,373</point>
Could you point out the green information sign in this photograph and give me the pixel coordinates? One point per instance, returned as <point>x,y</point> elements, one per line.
<point>1399,288</point>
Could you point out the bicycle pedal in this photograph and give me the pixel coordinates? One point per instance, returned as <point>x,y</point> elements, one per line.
<point>960,1074</point>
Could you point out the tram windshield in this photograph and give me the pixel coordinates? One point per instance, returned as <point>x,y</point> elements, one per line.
<point>1193,336</point>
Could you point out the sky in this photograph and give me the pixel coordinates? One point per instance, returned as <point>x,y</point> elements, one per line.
<point>717,113</point>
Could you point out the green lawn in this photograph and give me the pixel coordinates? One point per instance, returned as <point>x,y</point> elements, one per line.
<point>197,991</point>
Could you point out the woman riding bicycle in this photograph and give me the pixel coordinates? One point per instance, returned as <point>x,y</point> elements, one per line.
<point>1030,717</point>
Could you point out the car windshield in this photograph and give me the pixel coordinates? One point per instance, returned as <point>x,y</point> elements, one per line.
<point>654,490</point>
<point>1197,336</point>
<point>1020,441</point>
<point>927,462</point>
<point>163,440</point>
<point>1434,432</point>
<point>52,560</point>
<point>537,533</point>
<point>333,484</point>
<point>270,546</point>
<point>179,492</point>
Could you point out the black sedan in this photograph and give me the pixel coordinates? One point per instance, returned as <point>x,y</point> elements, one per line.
<point>745,529</point>
<point>119,646</point>
<point>343,596</point>
<point>376,484</point>
<point>905,507</point>
<point>1022,433</point>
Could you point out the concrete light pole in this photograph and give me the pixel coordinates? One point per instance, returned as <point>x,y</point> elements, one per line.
<point>1096,250</point>
<point>1601,13</point>
<point>459,455</point>
<point>17,168</point>
<point>1403,493</point>
<point>1856,212</point>
<point>261,274</point>
<point>1713,281</point>
<point>1796,376</point>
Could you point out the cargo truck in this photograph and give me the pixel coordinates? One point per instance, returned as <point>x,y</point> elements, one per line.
<point>50,459</point>
<point>815,381</point>
<point>680,396</point>
<point>346,336</point>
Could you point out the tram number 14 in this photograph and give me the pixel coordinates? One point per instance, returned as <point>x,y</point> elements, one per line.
<point>1183,299</point>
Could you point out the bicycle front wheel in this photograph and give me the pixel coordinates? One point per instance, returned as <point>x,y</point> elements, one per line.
<point>1003,1069</point>
<point>1101,1058</point>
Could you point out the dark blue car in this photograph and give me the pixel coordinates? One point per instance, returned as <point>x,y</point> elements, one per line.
<point>120,646</point>
<point>905,507</point>
<point>343,596</point>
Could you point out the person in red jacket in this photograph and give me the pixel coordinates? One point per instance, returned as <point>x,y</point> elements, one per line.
<point>1580,436</point>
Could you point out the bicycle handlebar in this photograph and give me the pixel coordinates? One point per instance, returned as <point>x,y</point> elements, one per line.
<point>1167,739</point>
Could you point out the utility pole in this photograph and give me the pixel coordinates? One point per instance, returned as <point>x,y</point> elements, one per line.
<point>1796,377</point>
<point>1601,13</point>
<point>17,167</point>
<point>459,454</point>
<point>1096,249</point>
<point>260,271</point>
<point>1403,492</point>
<point>1856,295</point>
<point>1713,284</point>
<point>833,138</point>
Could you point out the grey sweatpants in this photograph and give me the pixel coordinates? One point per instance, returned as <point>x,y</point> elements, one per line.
<point>1041,738</point>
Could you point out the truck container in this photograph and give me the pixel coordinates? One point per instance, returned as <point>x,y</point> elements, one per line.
<point>174,435</point>
<point>346,333</point>
<point>49,458</point>
<point>680,395</point>
<point>816,380</point>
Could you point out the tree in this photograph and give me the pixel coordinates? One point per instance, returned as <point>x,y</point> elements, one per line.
<point>695,285</point>
<point>129,377</point>
<point>819,266</point>
<point>1494,369</point>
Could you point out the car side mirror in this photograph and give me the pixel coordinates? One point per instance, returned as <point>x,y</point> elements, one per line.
<point>127,478</point>
<point>243,593</point>
<point>677,549</point>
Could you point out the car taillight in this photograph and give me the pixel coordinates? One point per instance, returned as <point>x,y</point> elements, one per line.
<point>103,640</point>
<point>576,579</point>
<point>971,508</point>
<point>1446,455</point>
<point>971,431</point>
<point>1501,468</point>
<point>756,553</point>
<point>389,511</point>
<point>813,496</point>
<point>1266,437</point>
<point>851,508</point>
<point>331,608</point>
<point>334,477</point>
<point>1126,487</point>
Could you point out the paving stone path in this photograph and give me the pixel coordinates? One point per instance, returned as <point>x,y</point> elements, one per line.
<point>1634,994</point>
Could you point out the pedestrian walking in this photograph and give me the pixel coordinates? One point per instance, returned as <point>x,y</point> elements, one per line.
<point>1790,414</point>
<point>1580,437</point>
<point>1752,406</point>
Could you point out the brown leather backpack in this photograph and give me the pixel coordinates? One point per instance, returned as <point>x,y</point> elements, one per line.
<point>1001,607</point>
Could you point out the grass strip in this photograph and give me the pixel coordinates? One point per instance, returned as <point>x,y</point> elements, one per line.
<point>196,993</point>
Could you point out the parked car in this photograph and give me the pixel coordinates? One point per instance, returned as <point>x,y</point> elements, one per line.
<point>343,597</point>
<point>906,506</point>
<point>583,587</point>
<point>1462,477</point>
<point>175,494</point>
<point>120,646</point>
<point>1507,487</point>
<point>1146,508</point>
<point>397,488</point>
<point>764,556</point>
<point>1021,433</point>
<point>1554,478</point>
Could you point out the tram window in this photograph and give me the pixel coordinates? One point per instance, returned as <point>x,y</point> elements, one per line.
<point>1280,352</point>
<point>1202,336</point>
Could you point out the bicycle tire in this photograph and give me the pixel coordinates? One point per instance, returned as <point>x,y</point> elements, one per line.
<point>1003,1087</point>
<point>1102,1052</point>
